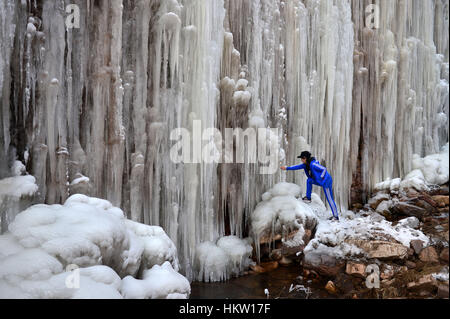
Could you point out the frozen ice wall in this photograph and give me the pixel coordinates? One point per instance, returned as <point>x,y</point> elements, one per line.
<point>400,95</point>
<point>90,109</point>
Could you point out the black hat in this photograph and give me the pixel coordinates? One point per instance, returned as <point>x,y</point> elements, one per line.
<point>305,154</point>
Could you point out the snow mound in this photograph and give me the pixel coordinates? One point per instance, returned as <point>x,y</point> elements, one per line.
<point>160,282</point>
<point>230,256</point>
<point>91,236</point>
<point>430,170</point>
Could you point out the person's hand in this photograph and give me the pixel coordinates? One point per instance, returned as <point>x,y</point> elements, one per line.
<point>283,168</point>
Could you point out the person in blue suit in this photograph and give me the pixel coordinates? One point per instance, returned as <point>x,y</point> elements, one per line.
<point>317,175</point>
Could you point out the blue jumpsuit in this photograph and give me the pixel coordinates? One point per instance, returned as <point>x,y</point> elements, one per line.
<point>319,177</point>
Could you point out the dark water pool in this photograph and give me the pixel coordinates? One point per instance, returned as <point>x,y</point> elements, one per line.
<point>252,286</point>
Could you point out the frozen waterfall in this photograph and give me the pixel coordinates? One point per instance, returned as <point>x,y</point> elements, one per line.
<point>90,91</point>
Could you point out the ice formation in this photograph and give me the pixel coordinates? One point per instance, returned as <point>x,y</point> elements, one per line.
<point>16,193</point>
<point>99,102</point>
<point>219,261</point>
<point>430,170</point>
<point>281,212</point>
<point>44,242</point>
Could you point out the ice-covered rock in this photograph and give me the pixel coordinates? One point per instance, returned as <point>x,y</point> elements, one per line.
<point>15,194</point>
<point>159,282</point>
<point>93,241</point>
<point>430,170</point>
<point>281,212</point>
<point>362,237</point>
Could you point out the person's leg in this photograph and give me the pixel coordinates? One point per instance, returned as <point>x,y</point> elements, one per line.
<point>328,189</point>
<point>309,184</point>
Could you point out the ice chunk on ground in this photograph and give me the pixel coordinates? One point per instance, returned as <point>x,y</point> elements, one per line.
<point>430,170</point>
<point>158,283</point>
<point>435,167</point>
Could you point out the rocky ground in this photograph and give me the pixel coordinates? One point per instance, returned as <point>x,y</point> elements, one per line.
<point>386,268</point>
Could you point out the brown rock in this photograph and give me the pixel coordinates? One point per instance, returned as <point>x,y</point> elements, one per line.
<point>356,269</point>
<point>425,283</point>
<point>268,239</point>
<point>275,254</point>
<point>441,200</point>
<point>284,261</point>
<point>387,274</point>
<point>325,265</point>
<point>330,287</point>
<point>402,208</point>
<point>410,264</point>
<point>292,252</point>
<point>442,190</point>
<point>417,245</point>
<point>443,209</point>
<point>373,203</point>
<point>444,255</point>
<point>429,254</point>
<point>403,269</point>
<point>387,282</point>
<point>307,236</point>
<point>381,249</point>
<point>257,268</point>
<point>270,265</point>
<point>442,291</point>
<point>425,204</point>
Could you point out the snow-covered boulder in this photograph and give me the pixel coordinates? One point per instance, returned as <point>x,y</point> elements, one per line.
<point>88,239</point>
<point>363,237</point>
<point>281,212</point>
<point>429,170</point>
<point>159,282</point>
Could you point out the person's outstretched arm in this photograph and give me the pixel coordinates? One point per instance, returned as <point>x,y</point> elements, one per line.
<point>293,168</point>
